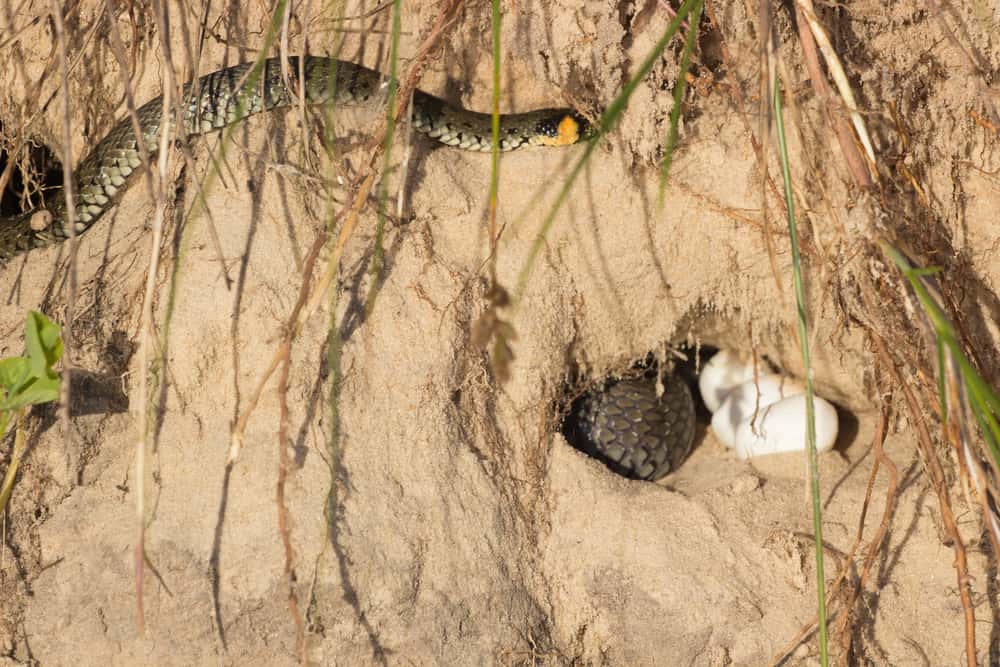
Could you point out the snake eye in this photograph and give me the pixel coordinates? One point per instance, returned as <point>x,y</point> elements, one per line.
<point>546,128</point>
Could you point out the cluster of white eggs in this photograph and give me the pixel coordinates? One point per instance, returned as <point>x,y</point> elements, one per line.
<point>766,415</point>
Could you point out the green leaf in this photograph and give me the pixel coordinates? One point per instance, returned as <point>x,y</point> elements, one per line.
<point>43,343</point>
<point>35,391</point>
<point>13,373</point>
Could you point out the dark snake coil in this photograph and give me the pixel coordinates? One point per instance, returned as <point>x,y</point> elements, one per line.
<point>633,431</point>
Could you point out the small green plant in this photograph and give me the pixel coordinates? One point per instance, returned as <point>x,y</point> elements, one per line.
<point>26,381</point>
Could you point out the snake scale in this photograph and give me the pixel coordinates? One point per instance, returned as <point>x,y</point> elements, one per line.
<point>636,432</point>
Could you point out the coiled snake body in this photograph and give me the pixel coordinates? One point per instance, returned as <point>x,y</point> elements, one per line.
<point>227,96</point>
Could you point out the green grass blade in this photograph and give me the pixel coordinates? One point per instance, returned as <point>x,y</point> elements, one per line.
<point>675,112</point>
<point>15,372</point>
<point>610,116</point>
<point>605,124</point>
<point>983,400</point>
<point>942,397</point>
<point>800,301</point>
<point>217,159</point>
<point>378,254</point>
<point>200,202</point>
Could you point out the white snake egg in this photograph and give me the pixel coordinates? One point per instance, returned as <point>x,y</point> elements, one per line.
<point>781,427</point>
<point>744,400</point>
<point>723,373</point>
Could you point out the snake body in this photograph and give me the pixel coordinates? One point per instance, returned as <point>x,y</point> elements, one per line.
<point>634,431</point>
<point>230,95</point>
<point>626,425</point>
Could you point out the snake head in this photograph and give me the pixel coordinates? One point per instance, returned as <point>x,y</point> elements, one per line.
<point>562,128</point>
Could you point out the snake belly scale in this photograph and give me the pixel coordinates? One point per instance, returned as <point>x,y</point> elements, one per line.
<point>224,97</point>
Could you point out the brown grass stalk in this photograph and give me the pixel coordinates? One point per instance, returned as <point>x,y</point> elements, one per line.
<point>67,139</point>
<point>147,319</point>
<point>447,14</point>
<point>285,350</point>
<point>933,466</point>
<point>808,12</point>
<point>845,137</point>
<point>844,629</point>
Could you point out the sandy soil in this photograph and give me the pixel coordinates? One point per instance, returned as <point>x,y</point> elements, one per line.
<point>462,529</point>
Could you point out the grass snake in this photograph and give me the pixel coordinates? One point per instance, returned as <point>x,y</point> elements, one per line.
<point>626,424</point>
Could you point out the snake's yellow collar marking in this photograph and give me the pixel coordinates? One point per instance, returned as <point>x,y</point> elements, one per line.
<point>568,132</point>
